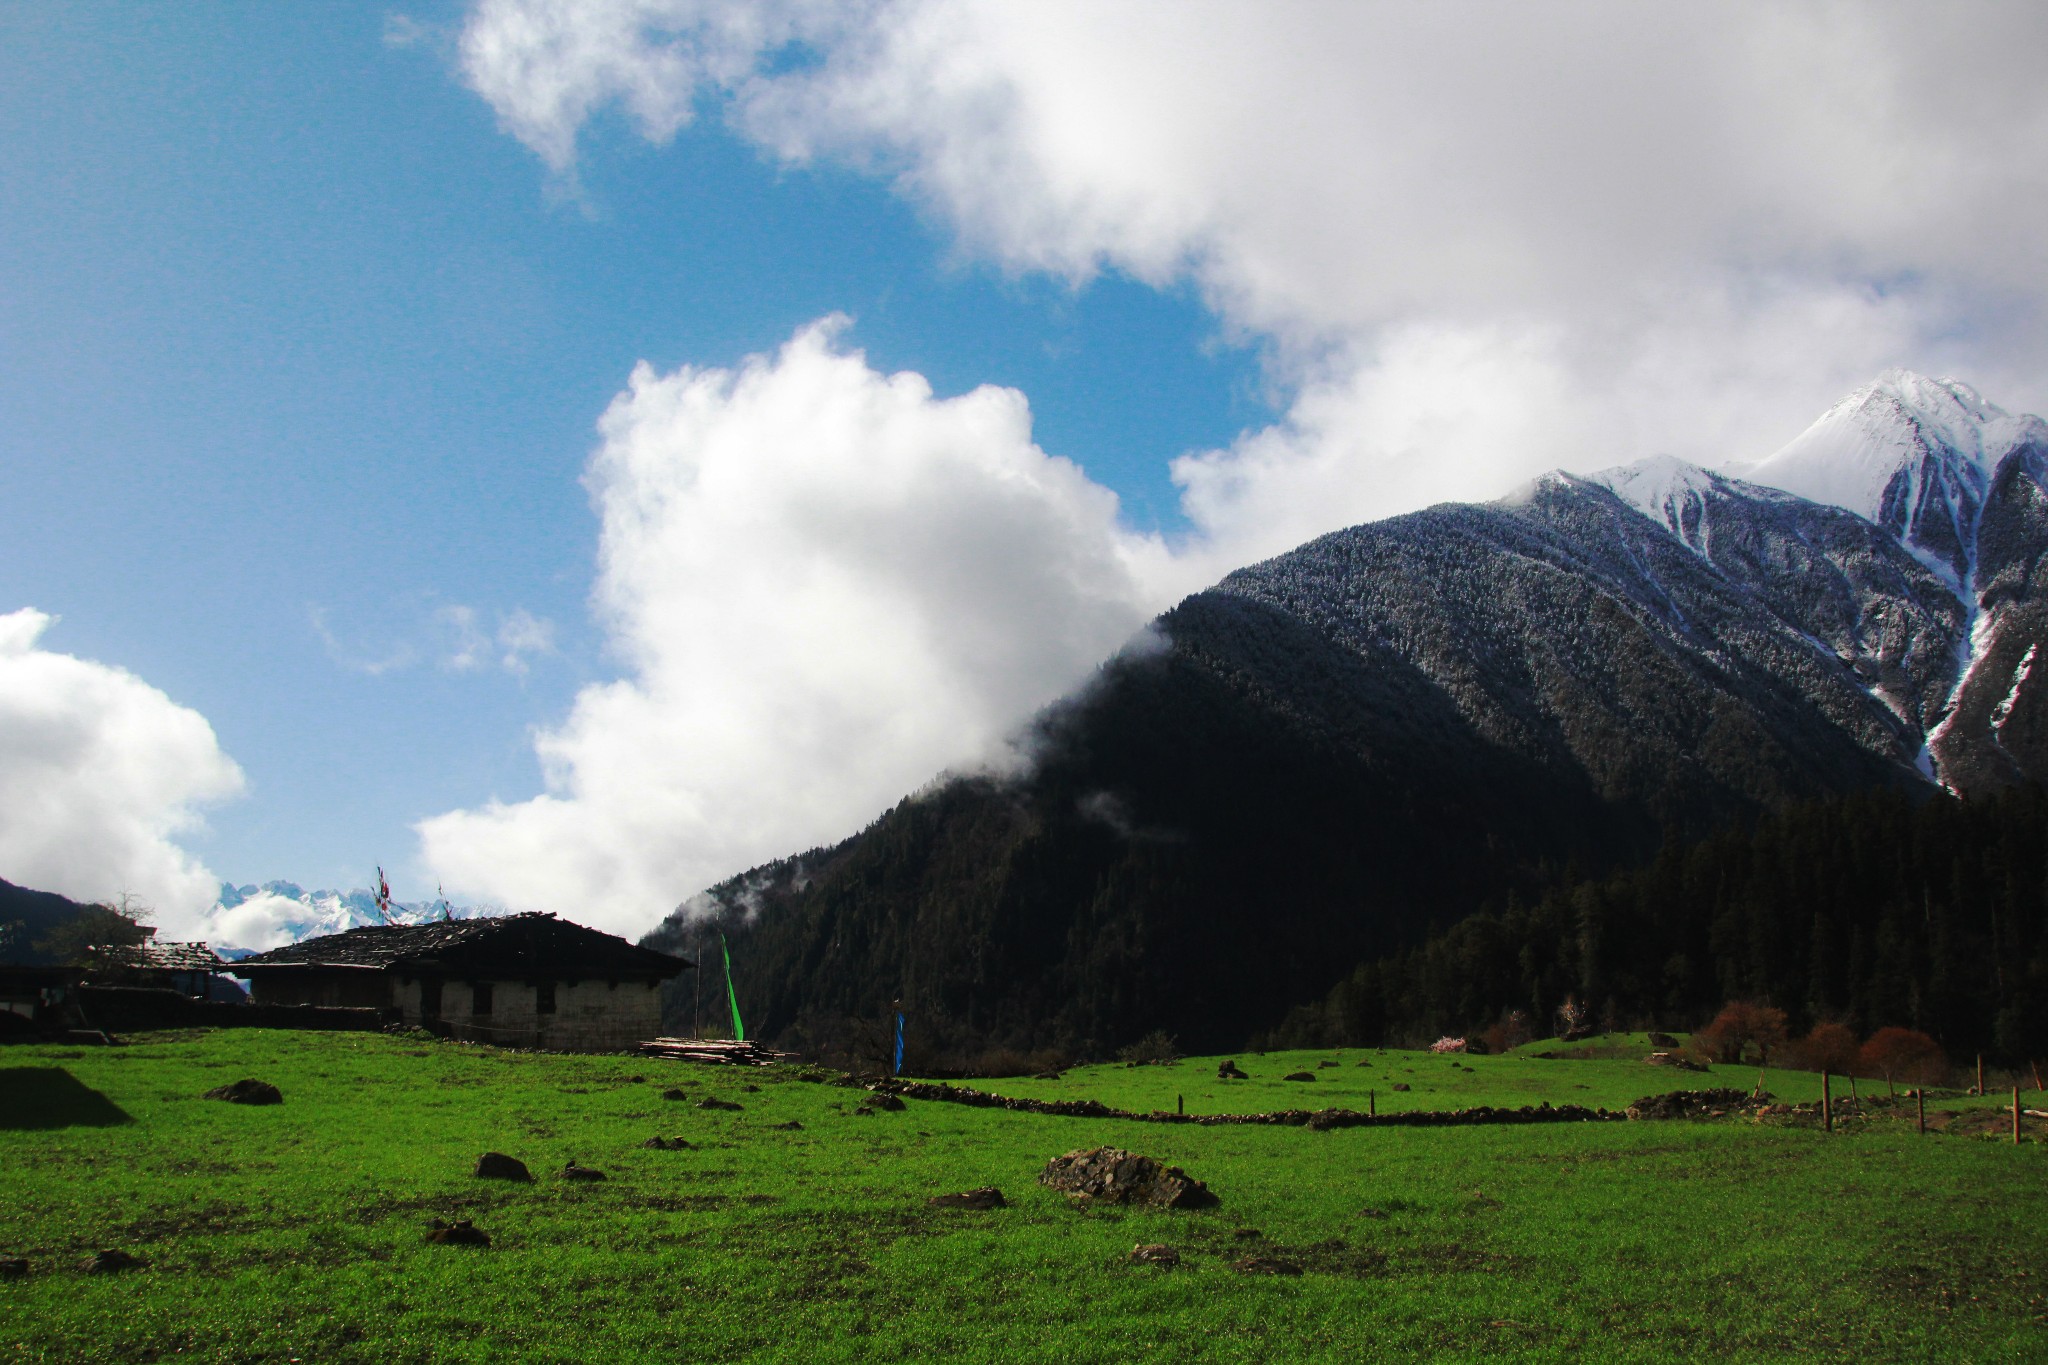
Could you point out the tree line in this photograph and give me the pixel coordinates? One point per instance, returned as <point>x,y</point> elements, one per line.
<point>1871,911</point>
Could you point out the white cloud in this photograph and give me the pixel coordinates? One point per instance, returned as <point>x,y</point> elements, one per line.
<point>1478,240</point>
<point>99,775</point>
<point>824,584</point>
<point>263,921</point>
<point>1509,222</point>
<point>454,636</point>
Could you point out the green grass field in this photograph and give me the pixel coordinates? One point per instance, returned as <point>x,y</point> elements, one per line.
<point>295,1232</point>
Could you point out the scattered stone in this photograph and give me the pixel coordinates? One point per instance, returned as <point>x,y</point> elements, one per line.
<point>713,1102</point>
<point>885,1102</point>
<point>111,1262</point>
<point>1325,1066</point>
<point>1229,1072</point>
<point>662,1144</point>
<point>674,1094</point>
<point>1110,1175</point>
<point>1687,1104</point>
<point>574,1172</point>
<point>1299,1076</point>
<point>460,1233</point>
<point>863,1111</point>
<point>1677,1059</point>
<point>635,1080</point>
<point>247,1092</point>
<point>1155,1253</point>
<point>751,1089</point>
<point>791,1127</point>
<point>1402,1085</point>
<point>498,1166</point>
<point>13,1267</point>
<point>987,1197</point>
<point>1265,1265</point>
<point>1372,1213</point>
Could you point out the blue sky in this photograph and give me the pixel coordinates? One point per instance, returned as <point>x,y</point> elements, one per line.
<point>546,449</point>
<point>291,329</point>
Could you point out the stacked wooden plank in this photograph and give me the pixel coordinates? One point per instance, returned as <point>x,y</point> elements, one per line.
<point>714,1051</point>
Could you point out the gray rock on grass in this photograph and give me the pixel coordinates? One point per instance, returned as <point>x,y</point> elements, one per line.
<point>111,1263</point>
<point>986,1197</point>
<point>460,1233</point>
<point>498,1166</point>
<point>247,1091</point>
<point>1110,1175</point>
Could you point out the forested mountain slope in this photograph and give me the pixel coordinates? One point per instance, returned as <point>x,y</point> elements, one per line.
<point>1319,759</point>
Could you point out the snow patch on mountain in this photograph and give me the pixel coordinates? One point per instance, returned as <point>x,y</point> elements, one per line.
<point>250,919</point>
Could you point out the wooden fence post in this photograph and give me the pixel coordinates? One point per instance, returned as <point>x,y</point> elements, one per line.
<point>1372,1103</point>
<point>1920,1107</point>
<point>1980,1074</point>
<point>2015,1113</point>
<point>1827,1105</point>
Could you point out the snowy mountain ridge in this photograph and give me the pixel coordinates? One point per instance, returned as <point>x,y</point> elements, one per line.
<point>252,918</point>
<point>1954,481</point>
<point>1915,455</point>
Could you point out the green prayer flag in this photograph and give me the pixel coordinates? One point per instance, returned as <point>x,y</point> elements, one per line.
<point>739,1030</point>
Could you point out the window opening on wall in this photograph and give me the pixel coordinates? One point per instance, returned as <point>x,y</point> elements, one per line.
<point>544,998</point>
<point>480,997</point>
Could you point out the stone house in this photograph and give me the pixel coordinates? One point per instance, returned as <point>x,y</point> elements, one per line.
<point>529,980</point>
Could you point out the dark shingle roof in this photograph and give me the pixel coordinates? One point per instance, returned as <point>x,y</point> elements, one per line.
<point>523,945</point>
<point>158,957</point>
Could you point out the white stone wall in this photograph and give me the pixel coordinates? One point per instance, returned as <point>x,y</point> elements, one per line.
<point>589,1016</point>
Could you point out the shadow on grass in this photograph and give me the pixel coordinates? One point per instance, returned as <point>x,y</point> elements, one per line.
<point>51,1097</point>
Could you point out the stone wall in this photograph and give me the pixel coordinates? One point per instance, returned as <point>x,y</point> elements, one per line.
<point>589,1016</point>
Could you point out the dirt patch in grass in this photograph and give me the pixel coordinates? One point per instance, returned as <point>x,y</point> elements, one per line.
<point>694,1203</point>
<point>1952,1273</point>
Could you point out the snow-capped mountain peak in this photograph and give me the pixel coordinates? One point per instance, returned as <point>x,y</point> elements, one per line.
<point>1913,454</point>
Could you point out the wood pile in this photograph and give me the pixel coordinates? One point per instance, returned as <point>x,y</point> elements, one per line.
<point>714,1051</point>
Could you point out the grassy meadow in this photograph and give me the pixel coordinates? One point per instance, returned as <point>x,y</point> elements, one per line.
<point>295,1232</point>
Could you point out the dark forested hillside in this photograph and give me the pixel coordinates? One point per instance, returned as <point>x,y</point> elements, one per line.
<point>1871,910</point>
<point>1324,758</point>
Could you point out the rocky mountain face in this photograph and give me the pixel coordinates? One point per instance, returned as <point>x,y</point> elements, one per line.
<point>1328,754</point>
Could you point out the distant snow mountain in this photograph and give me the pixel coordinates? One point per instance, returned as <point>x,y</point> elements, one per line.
<point>1918,456</point>
<point>1954,482</point>
<point>249,919</point>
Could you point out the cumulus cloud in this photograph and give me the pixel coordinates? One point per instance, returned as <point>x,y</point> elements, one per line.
<point>1475,241</point>
<point>1481,239</point>
<point>100,773</point>
<point>262,921</point>
<point>824,584</point>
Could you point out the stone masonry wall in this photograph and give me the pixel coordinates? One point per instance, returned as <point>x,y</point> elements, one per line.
<point>589,1016</point>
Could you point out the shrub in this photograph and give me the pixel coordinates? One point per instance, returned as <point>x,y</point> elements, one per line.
<point>1903,1054</point>
<point>1831,1046</point>
<point>1155,1048</point>
<point>1740,1027</point>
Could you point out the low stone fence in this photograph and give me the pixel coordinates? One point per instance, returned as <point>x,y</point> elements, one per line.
<point>1318,1119</point>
